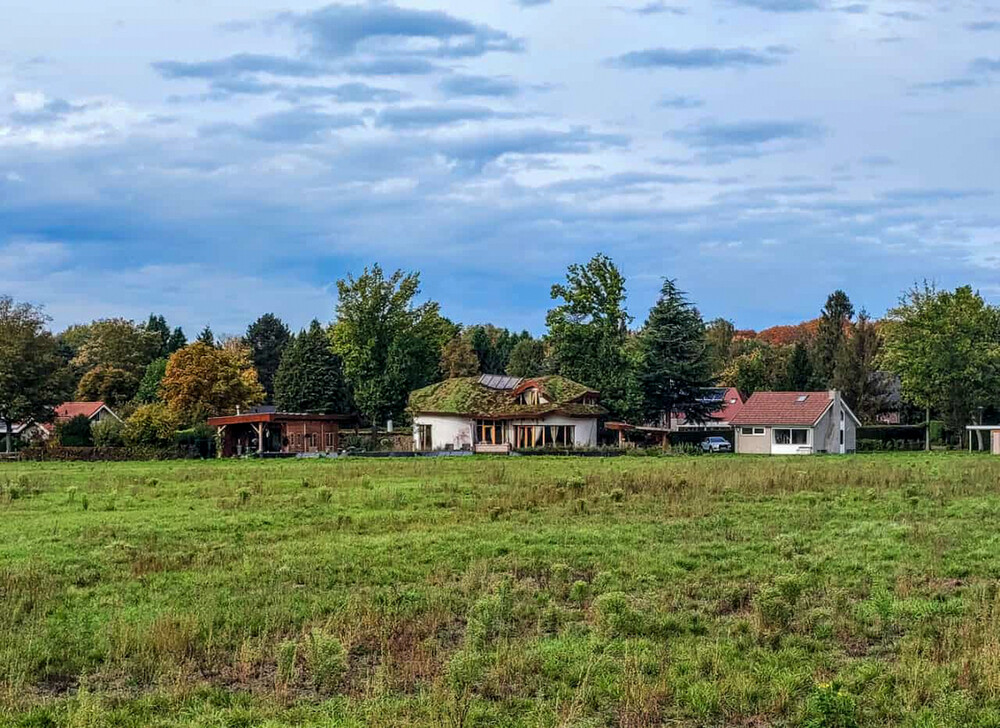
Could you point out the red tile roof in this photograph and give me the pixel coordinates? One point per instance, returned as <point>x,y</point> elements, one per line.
<point>69,410</point>
<point>783,408</point>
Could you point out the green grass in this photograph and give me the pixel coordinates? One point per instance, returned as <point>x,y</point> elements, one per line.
<point>502,592</point>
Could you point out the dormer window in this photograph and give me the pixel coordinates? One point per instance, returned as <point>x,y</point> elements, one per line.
<point>802,398</point>
<point>528,397</point>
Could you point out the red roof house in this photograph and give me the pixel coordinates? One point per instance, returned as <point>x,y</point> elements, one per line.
<point>93,411</point>
<point>795,423</point>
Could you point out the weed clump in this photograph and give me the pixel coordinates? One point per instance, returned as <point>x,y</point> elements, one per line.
<point>491,618</point>
<point>616,617</point>
<point>326,659</point>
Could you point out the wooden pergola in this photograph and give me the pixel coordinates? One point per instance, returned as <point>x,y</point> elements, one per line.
<point>268,433</point>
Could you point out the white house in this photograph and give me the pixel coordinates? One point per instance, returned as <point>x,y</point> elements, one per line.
<point>494,413</point>
<point>795,423</point>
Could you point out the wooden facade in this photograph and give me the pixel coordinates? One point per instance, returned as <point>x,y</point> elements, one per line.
<point>279,433</point>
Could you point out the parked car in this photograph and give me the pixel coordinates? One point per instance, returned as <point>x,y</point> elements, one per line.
<point>716,444</point>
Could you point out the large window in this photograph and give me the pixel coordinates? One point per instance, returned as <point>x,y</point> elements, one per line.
<point>544,436</point>
<point>490,432</point>
<point>791,437</point>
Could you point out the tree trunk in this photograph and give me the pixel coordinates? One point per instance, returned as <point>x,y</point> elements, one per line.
<point>9,427</point>
<point>979,439</point>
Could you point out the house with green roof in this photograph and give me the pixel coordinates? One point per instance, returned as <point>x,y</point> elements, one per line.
<point>496,414</point>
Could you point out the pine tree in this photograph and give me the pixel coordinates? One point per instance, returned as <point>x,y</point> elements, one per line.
<point>310,377</point>
<point>675,368</point>
<point>158,326</point>
<point>801,377</point>
<point>177,341</point>
<point>856,374</point>
<point>206,336</point>
<point>831,335</point>
<point>267,338</point>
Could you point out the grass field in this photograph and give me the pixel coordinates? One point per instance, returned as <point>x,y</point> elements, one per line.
<point>518,592</point>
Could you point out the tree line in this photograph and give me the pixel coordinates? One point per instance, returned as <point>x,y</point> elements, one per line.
<point>939,349</point>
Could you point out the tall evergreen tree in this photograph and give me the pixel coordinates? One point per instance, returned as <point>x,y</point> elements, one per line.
<point>675,368</point>
<point>158,326</point>
<point>267,338</point>
<point>831,335</point>
<point>177,341</point>
<point>207,336</point>
<point>310,377</point>
<point>800,375</point>
<point>857,375</point>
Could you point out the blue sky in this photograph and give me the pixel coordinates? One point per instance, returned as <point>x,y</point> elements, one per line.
<point>216,160</point>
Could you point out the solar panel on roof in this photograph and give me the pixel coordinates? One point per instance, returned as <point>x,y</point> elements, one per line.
<point>498,381</point>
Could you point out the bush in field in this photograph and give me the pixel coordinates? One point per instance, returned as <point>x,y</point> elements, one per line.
<point>616,617</point>
<point>108,433</point>
<point>75,432</point>
<point>326,659</point>
<point>151,425</point>
<point>491,618</point>
<point>830,707</point>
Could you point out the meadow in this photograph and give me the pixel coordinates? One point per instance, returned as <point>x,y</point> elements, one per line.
<point>673,591</point>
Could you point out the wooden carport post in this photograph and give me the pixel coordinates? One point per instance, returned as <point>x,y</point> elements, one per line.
<point>260,438</point>
<point>221,448</point>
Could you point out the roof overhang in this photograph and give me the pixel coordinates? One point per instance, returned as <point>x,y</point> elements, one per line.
<point>268,417</point>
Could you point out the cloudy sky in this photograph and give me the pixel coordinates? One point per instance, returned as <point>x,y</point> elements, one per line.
<point>215,160</point>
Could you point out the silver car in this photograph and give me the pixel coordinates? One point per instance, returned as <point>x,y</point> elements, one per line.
<point>716,444</point>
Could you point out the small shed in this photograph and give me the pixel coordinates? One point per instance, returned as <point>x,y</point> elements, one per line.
<point>279,433</point>
<point>994,431</point>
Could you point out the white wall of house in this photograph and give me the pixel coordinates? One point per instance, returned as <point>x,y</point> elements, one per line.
<point>447,433</point>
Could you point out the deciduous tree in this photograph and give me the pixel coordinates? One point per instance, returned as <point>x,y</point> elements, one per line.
<point>31,369</point>
<point>719,334</point>
<point>588,332</point>
<point>945,347</point>
<point>149,387</point>
<point>202,381</point>
<point>119,344</point>
<point>458,359</point>
<point>389,345</point>
<point>107,384</point>
<point>528,358</point>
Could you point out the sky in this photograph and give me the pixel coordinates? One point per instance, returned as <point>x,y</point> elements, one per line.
<point>213,161</point>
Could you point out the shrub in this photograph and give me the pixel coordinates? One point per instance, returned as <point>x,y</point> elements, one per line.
<point>108,433</point>
<point>151,424</point>
<point>830,707</point>
<point>75,432</point>
<point>616,617</point>
<point>326,659</point>
<point>491,618</point>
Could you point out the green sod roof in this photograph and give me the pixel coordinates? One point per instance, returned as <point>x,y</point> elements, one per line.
<point>466,396</point>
